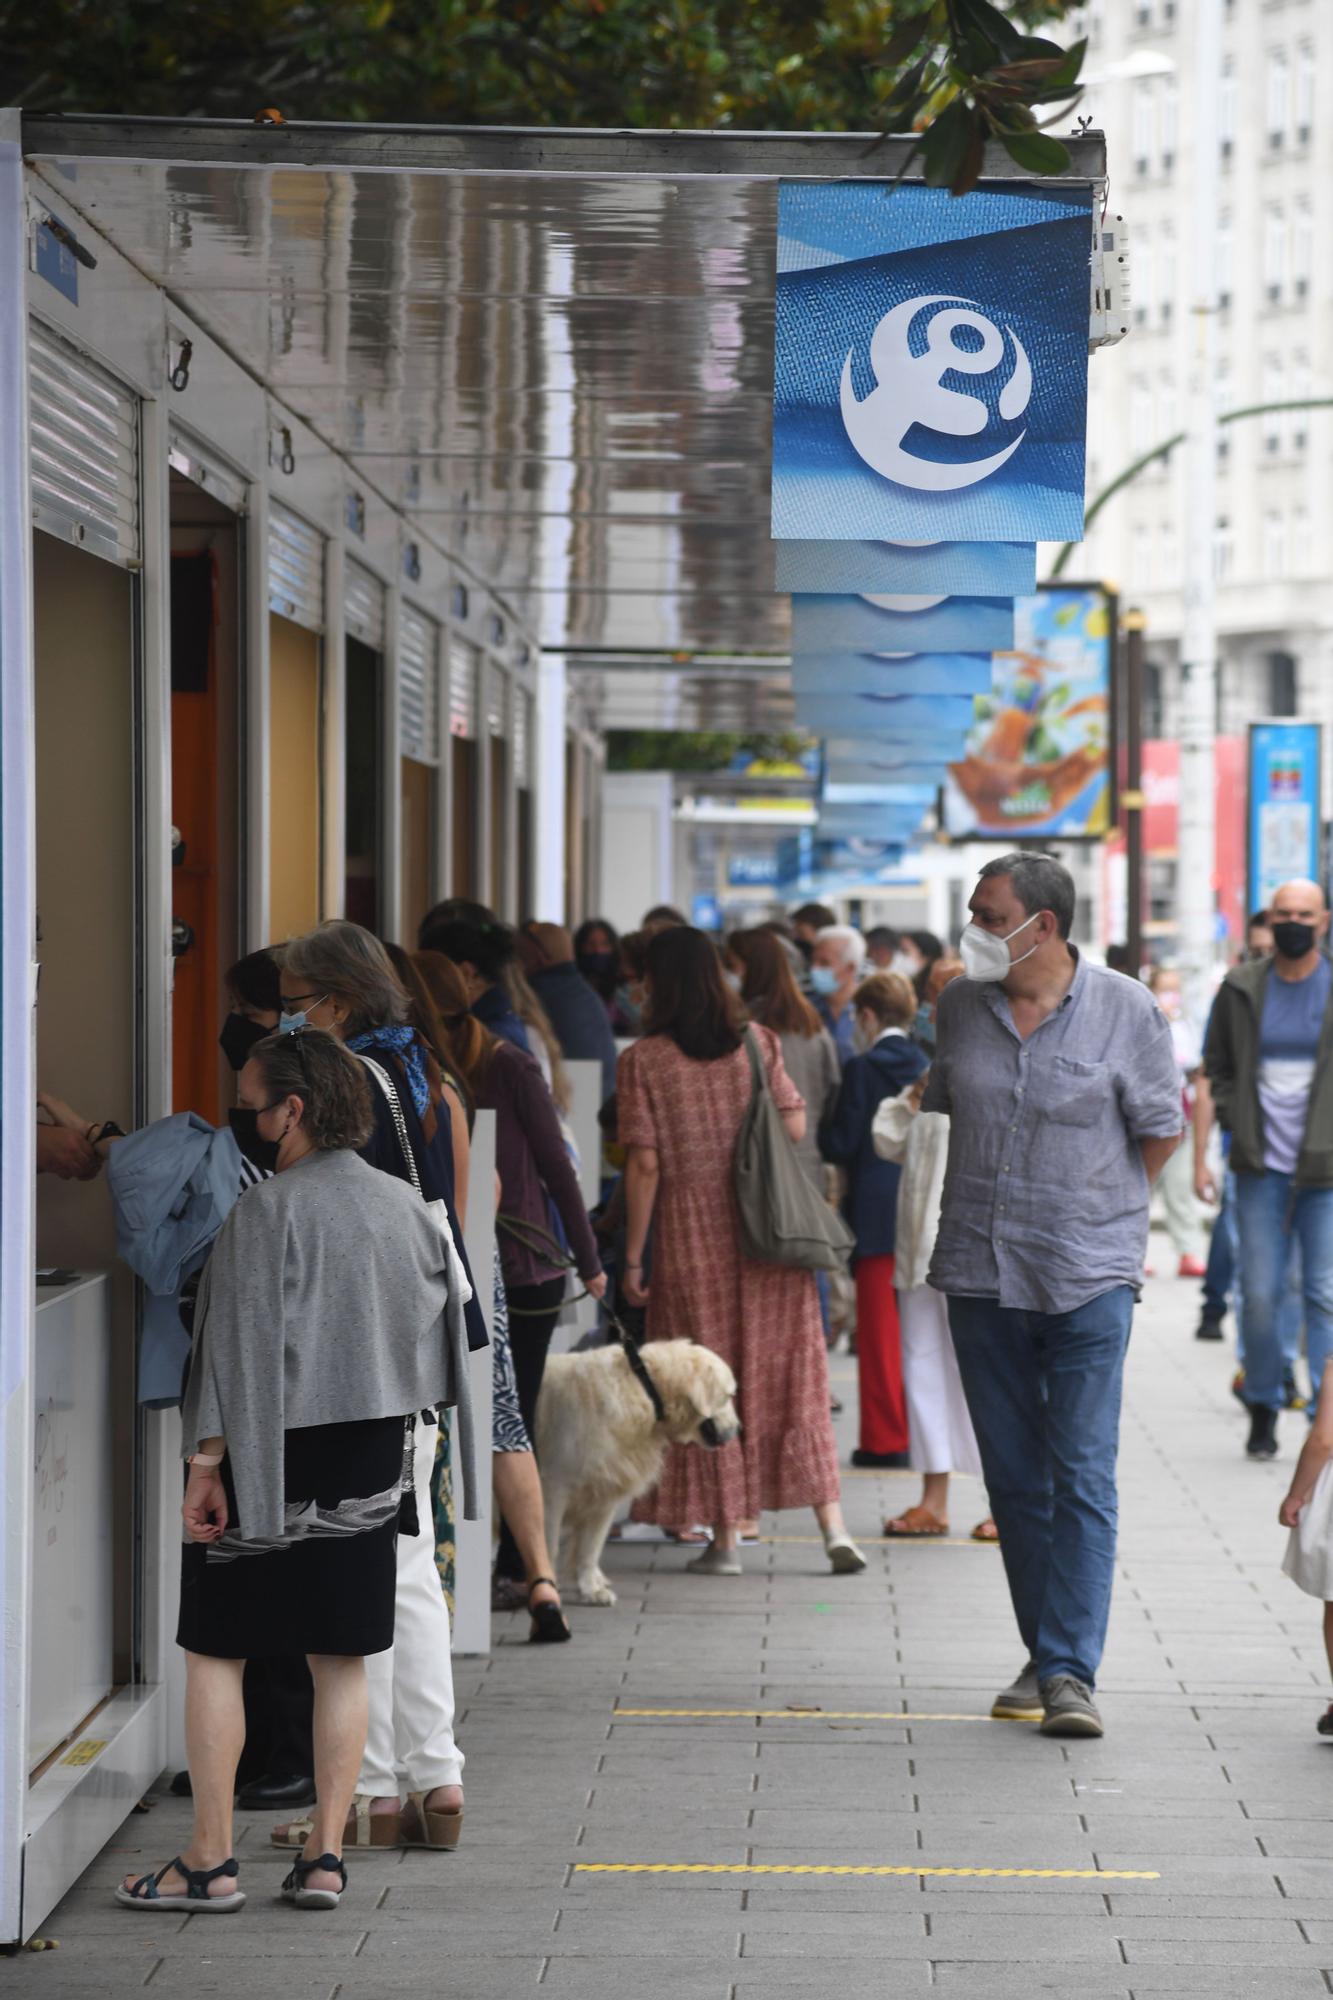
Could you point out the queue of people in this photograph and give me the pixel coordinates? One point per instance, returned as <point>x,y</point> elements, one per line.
<point>312,1310</point>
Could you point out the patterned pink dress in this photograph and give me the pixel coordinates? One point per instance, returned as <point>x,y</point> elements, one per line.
<point>763,1319</point>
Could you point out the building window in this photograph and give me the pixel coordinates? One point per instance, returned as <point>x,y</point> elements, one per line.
<point>1275,251</point>
<point>1281,683</point>
<point>1224,251</point>
<point>1145,266</point>
<point>1226,109</point>
<point>1302,247</point>
<point>1224,548</point>
<point>1275,543</point>
<point>1304,106</point>
<point>1298,391</point>
<point>1144,120</point>
<point>1140,417</point>
<point>1302,545</point>
<point>1276,111</point>
<point>1141,557</point>
<point>1272,385</point>
<point>1154,701</point>
<point>1170,124</point>
<point>1166,273</point>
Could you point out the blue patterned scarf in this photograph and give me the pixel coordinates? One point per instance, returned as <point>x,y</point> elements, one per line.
<point>403,1042</point>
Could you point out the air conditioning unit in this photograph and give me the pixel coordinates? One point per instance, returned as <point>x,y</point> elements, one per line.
<point>1110,305</point>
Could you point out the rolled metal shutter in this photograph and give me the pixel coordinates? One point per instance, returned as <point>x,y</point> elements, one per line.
<point>84,439</point>
<point>418,686</point>
<point>497,702</point>
<point>295,568</point>
<point>464,661</point>
<point>363,606</point>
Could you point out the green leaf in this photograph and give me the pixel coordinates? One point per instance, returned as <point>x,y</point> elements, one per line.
<point>969,170</point>
<point>1035,152</point>
<point>978,17</point>
<point>904,39</point>
<point>945,145</point>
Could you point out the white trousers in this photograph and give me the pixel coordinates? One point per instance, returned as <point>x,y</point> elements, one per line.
<point>1181,1206</point>
<point>412,1685</point>
<point>941,1438</point>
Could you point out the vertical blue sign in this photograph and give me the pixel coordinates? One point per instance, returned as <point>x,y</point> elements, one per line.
<point>1283,819</point>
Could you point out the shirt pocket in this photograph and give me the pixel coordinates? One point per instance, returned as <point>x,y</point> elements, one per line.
<point>1072,1092</point>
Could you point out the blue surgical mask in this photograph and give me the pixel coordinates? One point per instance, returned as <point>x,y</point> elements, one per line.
<point>823,979</point>
<point>925,1027</point>
<point>291,1024</point>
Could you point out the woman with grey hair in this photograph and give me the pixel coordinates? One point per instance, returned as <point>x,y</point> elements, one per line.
<point>329,1312</point>
<point>339,977</point>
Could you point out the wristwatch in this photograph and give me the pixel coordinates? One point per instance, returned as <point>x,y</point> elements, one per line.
<point>108,1131</point>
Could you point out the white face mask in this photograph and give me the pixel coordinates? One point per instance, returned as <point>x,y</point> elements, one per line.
<point>902,962</point>
<point>986,957</point>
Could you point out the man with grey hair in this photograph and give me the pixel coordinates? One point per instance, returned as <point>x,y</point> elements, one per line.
<point>1060,1083</point>
<point>835,973</point>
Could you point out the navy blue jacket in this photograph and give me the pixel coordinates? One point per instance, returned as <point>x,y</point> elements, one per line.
<point>582,1025</point>
<point>495,1011</point>
<point>871,1206</point>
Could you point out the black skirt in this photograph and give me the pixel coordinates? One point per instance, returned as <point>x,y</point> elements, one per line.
<point>318,1594</point>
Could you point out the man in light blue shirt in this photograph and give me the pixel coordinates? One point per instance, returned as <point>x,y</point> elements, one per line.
<point>1060,1083</point>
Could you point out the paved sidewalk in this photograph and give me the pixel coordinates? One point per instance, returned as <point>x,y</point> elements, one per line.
<point>1187,1853</point>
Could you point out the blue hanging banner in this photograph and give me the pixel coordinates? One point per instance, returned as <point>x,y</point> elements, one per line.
<point>866,760</point>
<point>1284,814</point>
<point>963,569</point>
<point>891,673</point>
<point>943,720</point>
<point>810,866</point>
<point>894,622</point>
<point>931,362</point>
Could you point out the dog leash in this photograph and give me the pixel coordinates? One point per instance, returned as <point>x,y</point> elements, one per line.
<point>533,1237</point>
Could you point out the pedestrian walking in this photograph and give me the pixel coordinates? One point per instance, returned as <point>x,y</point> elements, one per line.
<point>1178,1196</point>
<point>683,1092</point>
<point>1269,1058</point>
<point>330,1310</point>
<point>768,987</point>
<point>884,1008</point>
<point>837,964</point>
<point>1060,1084</point>
<point>1307,1510</point>
<point>941,1440</point>
<point>339,978</point>
<point>578,1014</point>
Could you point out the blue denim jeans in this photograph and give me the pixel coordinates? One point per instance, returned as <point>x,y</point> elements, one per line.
<point>1044,1393</point>
<point>1272,1215</point>
<point>1217,1279</point>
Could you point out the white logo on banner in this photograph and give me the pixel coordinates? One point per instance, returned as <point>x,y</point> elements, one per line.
<point>902,603</point>
<point>911,391</point>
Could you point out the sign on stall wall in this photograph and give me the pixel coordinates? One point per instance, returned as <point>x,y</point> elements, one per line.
<point>1038,761</point>
<point>1283,812</point>
<point>931,362</point>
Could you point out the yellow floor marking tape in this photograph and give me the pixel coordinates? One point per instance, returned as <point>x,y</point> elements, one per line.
<point>847,1868</point>
<point>791,1715</point>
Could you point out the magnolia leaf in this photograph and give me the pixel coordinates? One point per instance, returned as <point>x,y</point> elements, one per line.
<point>1035,152</point>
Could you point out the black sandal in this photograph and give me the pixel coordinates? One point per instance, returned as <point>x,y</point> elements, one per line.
<point>550,1627</point>
<point>294,1889</point>
<point>145,1894</point>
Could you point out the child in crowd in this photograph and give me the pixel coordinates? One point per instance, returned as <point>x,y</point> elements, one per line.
<point>1308,1512</point>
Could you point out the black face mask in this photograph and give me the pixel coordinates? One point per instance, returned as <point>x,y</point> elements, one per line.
<point>260,1152</point>
<point>598,963</point>
<point>1292,939</point>
<point>238,1037</point>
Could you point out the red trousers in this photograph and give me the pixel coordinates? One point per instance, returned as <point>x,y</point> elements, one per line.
<point>879,1360</point>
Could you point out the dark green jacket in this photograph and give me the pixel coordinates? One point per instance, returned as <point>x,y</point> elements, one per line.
<point>1231,1062</point>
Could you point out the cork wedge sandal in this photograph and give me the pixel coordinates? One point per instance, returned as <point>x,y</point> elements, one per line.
<point>423,1826</point>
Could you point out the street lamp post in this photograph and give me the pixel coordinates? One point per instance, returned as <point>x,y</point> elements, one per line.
<point>1196,845</point>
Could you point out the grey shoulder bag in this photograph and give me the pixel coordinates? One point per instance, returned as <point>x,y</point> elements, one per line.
<point>783,1218</point>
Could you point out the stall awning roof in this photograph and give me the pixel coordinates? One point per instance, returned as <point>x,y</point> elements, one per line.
<point>552,348</point>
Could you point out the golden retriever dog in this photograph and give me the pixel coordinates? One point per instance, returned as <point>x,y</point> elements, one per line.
<point>600,1443</point>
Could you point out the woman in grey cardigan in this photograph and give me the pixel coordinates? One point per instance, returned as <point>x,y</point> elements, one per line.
<point>330,1312</point>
